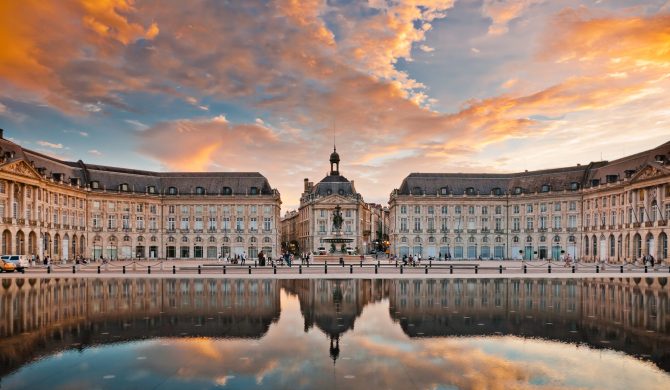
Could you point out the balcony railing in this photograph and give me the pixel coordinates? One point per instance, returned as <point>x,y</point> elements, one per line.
<point>33,222</point>
<point>649,224</point>
<point>556,230</point>
<point>636,224</point>
<point>153,230</point>
<point>7,220</point>
<point>403,231</point>
<point>486,230</point>
<point>444,230</point>
<point>571,229</point>
<point>417,231</point>
<point>527,230</point>
<point>97,229</point>
<point>499,231</point>
<point>430,230</point>
<point>183,231</point>
<point>472,230</point>
<point>663,223</point>
<point>111,229</point>
<point>21,221</point>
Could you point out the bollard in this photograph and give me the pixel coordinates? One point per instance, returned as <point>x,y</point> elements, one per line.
<point>396,263</point>
<point>451,269</point>
<point>379,263</point>
<point>325,268</point>
<point>199,269</point>
<point>430,263</point>
<point>174,269</point>
<point>274,269</point>
<point>255,265</point>
<point>376,269</point>
<point>645,269</point>
<point>621,268</point>
<point>549,268</point>
<point>300,269</point>
<point>98,269</point>
<point>224,270</point>
<point>249,270</point>
<point>426,270</point>
<point>401,269</point>
<point>74,269</point>
<point>573,269</point>
<point>148,269</point>
<point>476,268</point>
<point>500,269</point>
<point>361,263</point>
<point>351,268</point>
<point>124,269</point>
<point>525,269</point>
<point>48,269</point>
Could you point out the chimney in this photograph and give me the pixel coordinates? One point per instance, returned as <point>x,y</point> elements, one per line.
<point>306,185</point>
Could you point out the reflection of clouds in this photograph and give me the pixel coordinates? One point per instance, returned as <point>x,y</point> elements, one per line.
<point>383,354</point>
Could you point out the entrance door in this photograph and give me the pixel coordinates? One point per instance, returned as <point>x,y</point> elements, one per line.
<point>543,252</point>
<point>66,247</point>
<point>603,249</point>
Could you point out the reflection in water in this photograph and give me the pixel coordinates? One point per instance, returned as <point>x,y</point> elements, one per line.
<point>246,333</point>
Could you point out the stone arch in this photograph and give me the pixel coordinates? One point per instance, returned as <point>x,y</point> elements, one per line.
<point>7,241</point>
<point>637,246</point>
<point>20,243</point>
<point>32,243</point>
<point>649,244</point>
<point>586,245</point>
<point>56,245</point>
<point>662,253</point>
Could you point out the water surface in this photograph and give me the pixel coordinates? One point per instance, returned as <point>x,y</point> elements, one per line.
<point>74,333</point>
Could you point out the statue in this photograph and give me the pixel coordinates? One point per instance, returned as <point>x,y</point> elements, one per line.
<point>337,218</point>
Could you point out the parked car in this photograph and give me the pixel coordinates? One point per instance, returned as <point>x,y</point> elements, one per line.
<point>20,261</point>
<point>321,251</point>
<point>6,266</point>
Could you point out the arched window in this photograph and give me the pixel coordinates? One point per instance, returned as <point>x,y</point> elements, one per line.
<point>267,240</point>
<point>252,239</point>
<point>543,239</point>
<point>171,239</point>
<point>198,239</point>
<point>417,240</point>
<point>239,239</point>
<point>253,191</point>
<point>517,190</point>
<point>471,209</point>
<point>557,238</point>
<point>212,239</point>
<point>545,188</point>
<point>151,189</point>
<point>431,239</point>
<point>470,191</point>
<point>199,191</point>
<point>515,239</point>
<point>95,184</point>
<point>184,239</point>
<point>444,191</point>
<point>172,191</point>
<point>403,239</point>
<point>485,239</point>
<point>227,191</point>
<point>498,239</point>
<point>471,240</point>
<point>123,187</point>
<point>497,191</point>
<point>529,239</point>
<point>126,238</point>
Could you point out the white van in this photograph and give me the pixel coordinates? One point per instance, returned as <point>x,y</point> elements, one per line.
<point>21,261</point>
<point>321,251</point>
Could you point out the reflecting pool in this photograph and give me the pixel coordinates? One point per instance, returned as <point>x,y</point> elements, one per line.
<point>173,333</point>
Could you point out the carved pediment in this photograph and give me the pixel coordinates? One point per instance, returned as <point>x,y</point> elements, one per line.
<point>334,199</point>
<point>651,171</point>
<point>21,168</point>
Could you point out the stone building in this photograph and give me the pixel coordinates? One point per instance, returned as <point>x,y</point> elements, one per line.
<point>615,211</point>
<point>314,219</point>
<point>65,209</point>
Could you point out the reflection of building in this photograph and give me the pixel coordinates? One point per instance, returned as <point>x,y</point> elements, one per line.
<point>312,226</point>
<point>41,316</point>
<point>606,210</point>
<point>63,209</point>
<point>629,314</point>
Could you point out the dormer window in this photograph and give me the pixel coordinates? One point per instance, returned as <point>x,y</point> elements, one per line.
<point>497,191</point>
<point>416,191</point>
<point>123,187</point>
<point>595,182</point>
<point>470,191</point>
<point>95,185</point>
<point>444,191</point>
<point>253,191</point>
<point>574,186</point>
<point>227,191</point>
<point>74,181</point>
<point>545,188</point>
<point>518,190</point>
<point>151,189</point>
<point>341,192</point>
<point>199,191</point>
<point>612,178</point>
<point>172,191</point>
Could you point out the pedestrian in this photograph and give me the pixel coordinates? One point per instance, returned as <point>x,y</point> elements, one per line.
<point>651,260</point>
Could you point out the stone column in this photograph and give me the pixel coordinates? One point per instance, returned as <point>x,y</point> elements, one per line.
<point>10,199</point>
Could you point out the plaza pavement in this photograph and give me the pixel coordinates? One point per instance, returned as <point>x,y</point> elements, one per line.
<point>368,269</point>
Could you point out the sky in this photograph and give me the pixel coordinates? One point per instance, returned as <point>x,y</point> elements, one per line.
<point>405,86</point>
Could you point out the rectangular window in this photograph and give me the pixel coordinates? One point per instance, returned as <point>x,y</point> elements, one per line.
<point>212,223</point>
<point>445,210</point>
<point>153,223</point>
<point>322,226</point>
<point>111,206</point>
<point>347,213</point>
<point>184,209</point>
<point>152,209</point>
<point>96,220</point>
<point>417,224</point>
<point>403,224</point>
<point>498,223</point>
<point>543,222</point>
<point>239,224</point>
<point>139,222</point>
<point>125,221</point>
<point>516,223</point>
<point>225,223</point>
<point>171,209</point>
<point>529,208</point>
<point>96,205</point>
<point>543,207</point>
<point>253,223</point>
<point>172,223</point>
<point>557,221</point>
<point>184,223</point>
<point>431,210</point>
<point>529,223</point>
<point>199,223</point>
<point>515,209</point>
<point>111,222</point>
<point>267,224</point>
<point>403,209</point>
<point>139,207</point>
<point>252,209</point>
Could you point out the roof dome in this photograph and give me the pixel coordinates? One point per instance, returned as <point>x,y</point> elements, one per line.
<point>334,157</point>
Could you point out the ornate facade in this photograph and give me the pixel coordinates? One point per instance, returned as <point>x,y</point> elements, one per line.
<point>615,211</point>
<point>65,209</point>
<point>313,222</point>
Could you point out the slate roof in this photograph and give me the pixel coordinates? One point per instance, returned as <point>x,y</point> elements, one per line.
<point>138,181</point>
<point>557,179</point>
